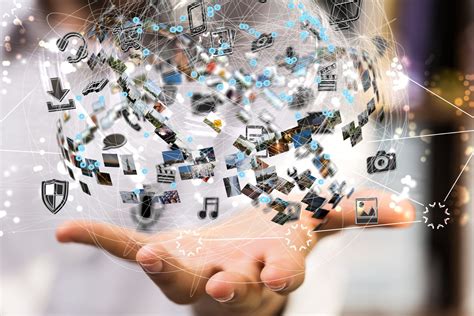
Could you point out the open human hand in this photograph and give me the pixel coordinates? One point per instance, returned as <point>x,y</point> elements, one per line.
<point>216,268</point>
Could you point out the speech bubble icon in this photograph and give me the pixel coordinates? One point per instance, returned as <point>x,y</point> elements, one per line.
<point>114,141</point>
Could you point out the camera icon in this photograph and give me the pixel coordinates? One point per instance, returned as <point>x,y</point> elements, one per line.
<point>381,162</point>
<point>264,41</point>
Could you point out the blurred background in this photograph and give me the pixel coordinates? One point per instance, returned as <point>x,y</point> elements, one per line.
<point>416,271</point>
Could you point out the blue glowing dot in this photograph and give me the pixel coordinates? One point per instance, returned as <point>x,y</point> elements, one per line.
<point>291,5</point>
<point>220,87</point>
<point>248,78</point>
<point>318,79</point>
<point>82,116</point>
<point>155,27</point>
<point>246,101</point>
<point>331,48</point>
<point>327,156</point>
<point>146,52</point>
<point>173,185</point>
<point>257,34</point>
<point>225,45</point>
<point>194,74</point>
<point>304,35</point>
<point>190,94</point>
<point>297,115</point>
<point>81,148</point>
<point>217,7</point>
<point>78,97</point>
<point>91,167</point>
<point>265,199</point>
<point>97,164</point>
<point>252,31</point>
<point>212,50</point>
<point>289,98</point>
<point>232,82</point>
<point>253,62</point>
<point>258,84</point>
<point>267,73</point>
<point>139,30</point>
<point>267,83</point>
<point>202,78</point>
<point>242,174</point>
<point>146,134</point>
<point>240,155</point>
<point>274,34</point>
<point>83,165</point>
<point>210,9</point>
<point>190,139</point>
<point>124,94</point>
<point>182,18</point>
<point>101,99</point>
<point>136,20</point>
<point>179,28</point>
<point>144,170</point>
<point>210,14</point>
<point>173,29</point>
<point>290,24</point>
<point>314,145</point>
<point>320,181</point>
<point>78,158</point>
<point>242,26</point>
<point>78,137</point>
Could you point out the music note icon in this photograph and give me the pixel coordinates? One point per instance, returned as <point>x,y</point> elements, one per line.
<point>210,203</point>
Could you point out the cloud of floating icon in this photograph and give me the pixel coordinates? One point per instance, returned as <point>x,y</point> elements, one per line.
<point>230,114</point>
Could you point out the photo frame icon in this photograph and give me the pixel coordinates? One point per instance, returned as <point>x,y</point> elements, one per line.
<point>366,211</point>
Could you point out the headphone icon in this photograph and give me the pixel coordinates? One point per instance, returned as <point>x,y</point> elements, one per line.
<point>81,53</point>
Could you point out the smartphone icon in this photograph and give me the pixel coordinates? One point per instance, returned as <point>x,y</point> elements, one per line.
<point>196,17</point>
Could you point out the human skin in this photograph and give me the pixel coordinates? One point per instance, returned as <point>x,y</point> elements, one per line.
<point>227,277</point>
<point>254,277</point>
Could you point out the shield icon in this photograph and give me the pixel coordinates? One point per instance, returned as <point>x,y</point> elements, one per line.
<point>54,193</point>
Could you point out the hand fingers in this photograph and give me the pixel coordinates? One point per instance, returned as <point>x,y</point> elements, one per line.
<point>284,270</point>
<point>401,216</point>
<point>236,290</point>
<point>121,242</point>
<point>180,284</point>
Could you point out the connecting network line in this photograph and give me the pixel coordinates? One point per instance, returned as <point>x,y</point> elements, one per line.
<point>439,97</point>
<point>421,136</point>
<point>459,176</point>
<point>386,187</point>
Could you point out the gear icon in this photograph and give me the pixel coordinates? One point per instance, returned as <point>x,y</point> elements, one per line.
<point>432,215</point>
<point>299,241</point>
<point>193,245</point>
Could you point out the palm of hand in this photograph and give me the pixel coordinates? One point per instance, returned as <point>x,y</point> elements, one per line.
<point>240,272</point>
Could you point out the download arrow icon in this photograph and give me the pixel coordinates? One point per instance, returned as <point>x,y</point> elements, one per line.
<point>58,91</point>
